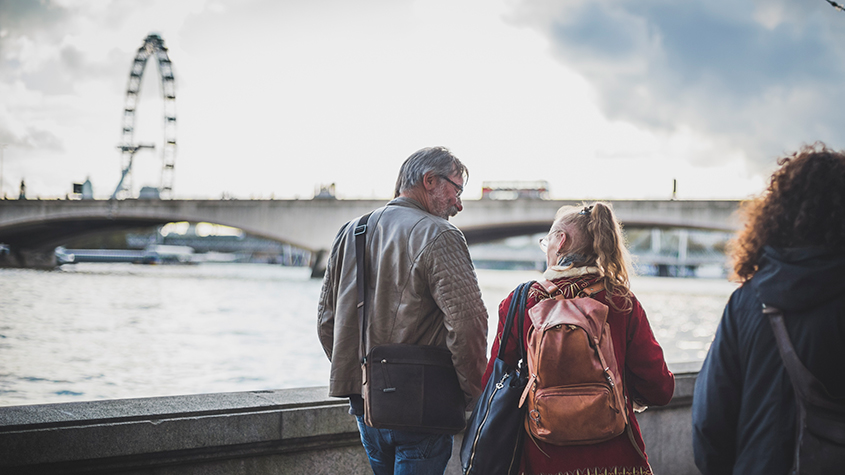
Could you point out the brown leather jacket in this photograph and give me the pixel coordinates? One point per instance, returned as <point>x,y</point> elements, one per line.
<point>422,291</point>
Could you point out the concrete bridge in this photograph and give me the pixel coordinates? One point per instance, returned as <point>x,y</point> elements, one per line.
<point>33,228</point>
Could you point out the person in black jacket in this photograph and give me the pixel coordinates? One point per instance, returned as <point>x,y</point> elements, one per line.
<point>790,255</point>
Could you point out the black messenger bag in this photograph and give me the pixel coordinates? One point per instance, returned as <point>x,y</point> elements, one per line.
<point>406,387</point>
<point>414,388</point>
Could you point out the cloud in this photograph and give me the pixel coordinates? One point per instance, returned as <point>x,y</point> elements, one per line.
<point>19,16</point>
<point>27,136</point>
<point>46,60</point>
<point>761,77</point>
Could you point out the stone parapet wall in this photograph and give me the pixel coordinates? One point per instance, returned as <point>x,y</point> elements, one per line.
<point>290,431</point>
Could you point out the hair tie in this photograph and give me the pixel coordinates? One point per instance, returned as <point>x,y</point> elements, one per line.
<point>586,211</point>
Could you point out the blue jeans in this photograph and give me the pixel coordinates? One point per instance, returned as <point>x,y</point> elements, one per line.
<point>400,452</point>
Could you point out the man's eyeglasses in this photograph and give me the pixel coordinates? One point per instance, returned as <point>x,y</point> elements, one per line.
<point>458,188</point>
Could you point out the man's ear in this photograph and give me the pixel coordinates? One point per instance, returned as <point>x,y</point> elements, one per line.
<point>430,181</point>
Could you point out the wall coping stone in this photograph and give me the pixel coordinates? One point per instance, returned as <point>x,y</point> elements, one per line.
<point>147,434</point>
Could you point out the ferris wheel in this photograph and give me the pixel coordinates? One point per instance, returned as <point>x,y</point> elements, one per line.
<point>153,46</point>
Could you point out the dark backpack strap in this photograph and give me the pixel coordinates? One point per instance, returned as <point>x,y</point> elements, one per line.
<point>797,371</point>
<point>806,385</point>
<point>361,281</point>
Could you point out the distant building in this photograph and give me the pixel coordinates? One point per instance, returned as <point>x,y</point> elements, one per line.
<point>149,193</point>
<point>84,189</point>
<point>515,190</point>
<point>326,193</point>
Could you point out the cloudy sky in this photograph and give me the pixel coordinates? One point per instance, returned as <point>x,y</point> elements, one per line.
<point>601,98</point>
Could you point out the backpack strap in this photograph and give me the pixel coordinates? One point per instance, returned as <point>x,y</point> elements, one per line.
<point>548,286</point>
<point>807,387</point>
<point>798,373</point>
<point>592,290</point>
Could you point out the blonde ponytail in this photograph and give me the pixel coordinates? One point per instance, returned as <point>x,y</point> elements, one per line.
<point>597,236</point>
<point>613,257</point>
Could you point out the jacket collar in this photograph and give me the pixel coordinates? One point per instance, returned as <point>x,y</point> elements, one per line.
<point>407,203</point>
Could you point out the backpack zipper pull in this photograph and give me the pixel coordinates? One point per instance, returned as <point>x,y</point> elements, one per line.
<point>608,377</point>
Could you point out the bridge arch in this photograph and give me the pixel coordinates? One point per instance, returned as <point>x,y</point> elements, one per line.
<point>47,234</point>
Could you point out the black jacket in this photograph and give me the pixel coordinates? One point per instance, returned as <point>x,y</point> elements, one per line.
<point>743,409</point>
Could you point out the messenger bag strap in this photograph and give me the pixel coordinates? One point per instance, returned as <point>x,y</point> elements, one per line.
<point>361,281</point>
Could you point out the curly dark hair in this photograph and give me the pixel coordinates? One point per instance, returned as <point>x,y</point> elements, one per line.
<point>803,206</point>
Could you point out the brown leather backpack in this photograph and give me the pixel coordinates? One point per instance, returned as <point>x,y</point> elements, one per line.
<point>574,392</point>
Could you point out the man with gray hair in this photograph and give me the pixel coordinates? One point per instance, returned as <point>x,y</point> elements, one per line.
<point>422,291</point>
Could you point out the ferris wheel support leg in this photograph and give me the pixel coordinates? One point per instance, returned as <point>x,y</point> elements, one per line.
<point>122,178</point>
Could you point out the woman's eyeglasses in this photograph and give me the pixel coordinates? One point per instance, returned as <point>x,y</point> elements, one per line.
<point>544,241</point>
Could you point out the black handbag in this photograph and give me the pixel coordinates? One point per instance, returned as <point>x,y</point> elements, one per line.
<point>406,387</point>
<point>492,443</point>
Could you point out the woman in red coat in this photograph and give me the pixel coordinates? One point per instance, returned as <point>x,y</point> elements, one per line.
<point>583,247</point>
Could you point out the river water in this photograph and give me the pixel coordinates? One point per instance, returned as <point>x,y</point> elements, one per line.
<point>109,331</point>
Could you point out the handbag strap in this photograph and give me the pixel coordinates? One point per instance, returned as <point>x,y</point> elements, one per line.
<point>361,279</point>
<point>520,311</point>
<point>506,330</point>
<point>516,309</point>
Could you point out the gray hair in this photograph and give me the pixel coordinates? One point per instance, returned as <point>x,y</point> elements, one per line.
<point>438,160</point>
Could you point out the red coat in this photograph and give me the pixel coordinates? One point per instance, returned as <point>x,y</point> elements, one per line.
<point>647,379</point>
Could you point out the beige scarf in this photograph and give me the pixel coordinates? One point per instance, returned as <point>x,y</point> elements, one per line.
<point>558,272</point>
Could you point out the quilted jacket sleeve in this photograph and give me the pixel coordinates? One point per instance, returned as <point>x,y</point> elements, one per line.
<point>454,287</point>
